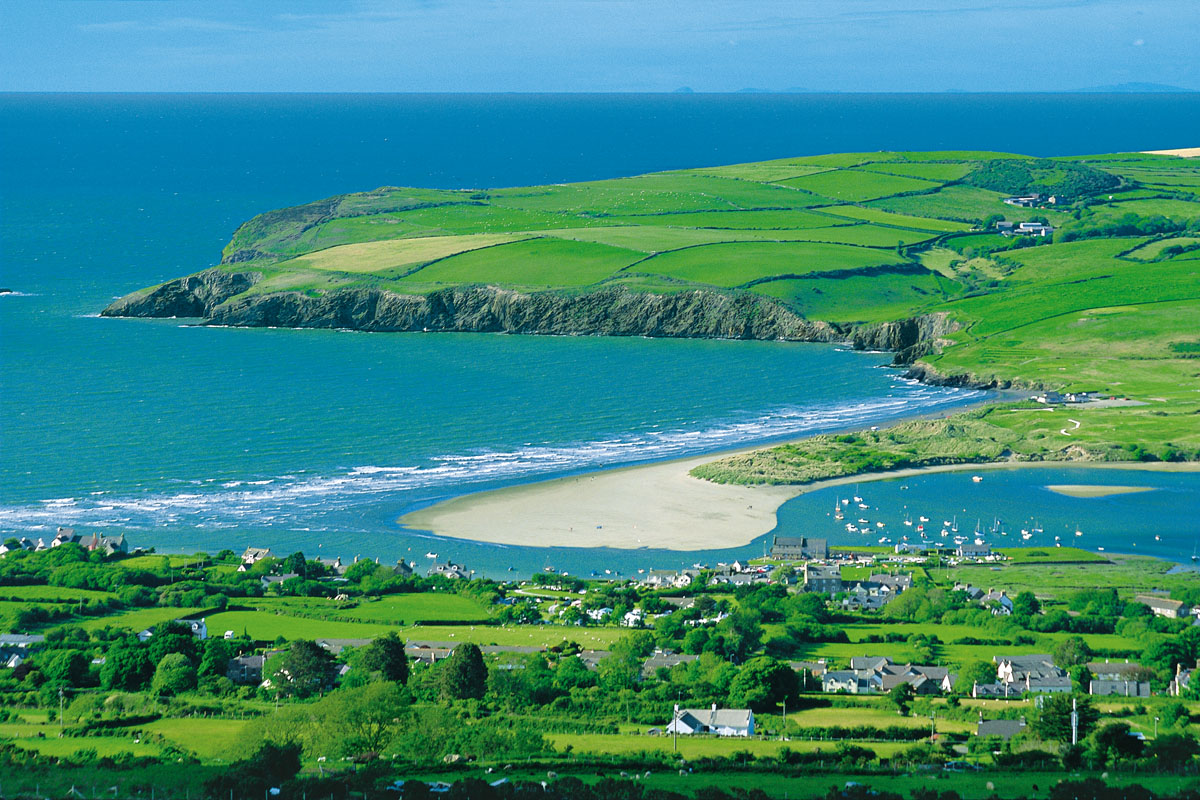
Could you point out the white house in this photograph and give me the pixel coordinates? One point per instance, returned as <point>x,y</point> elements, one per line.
<point>719,721</point>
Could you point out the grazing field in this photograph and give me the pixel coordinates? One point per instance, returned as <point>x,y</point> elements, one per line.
<point>537,262</point>
<point>210,739</point>
<point>739,263</point>
<point>860,298</point>
<point>137,620</point>
<point>1153,249</point>
<point>398,609</point>
<point>856,186</point>
<point>690,747</point>
<point>391,254</point>
<point>899,220</point>
<point>51,594</point>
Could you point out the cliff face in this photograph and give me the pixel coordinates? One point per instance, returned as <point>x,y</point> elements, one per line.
<point>212,296</point>
<point>193,296</point>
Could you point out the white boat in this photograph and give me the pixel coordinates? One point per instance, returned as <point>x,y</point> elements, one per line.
<point>923,519</point>
<point>431,555</point>
<point>977,478</point>
<point>863,505</point>
<point>1079,533</point>
<point>864,521</point>
<point>885,540</point>
<point>879,524</point>
<point>1026,535</point>
<point>978,540</point>
<point>954,527</point>
<point>845,501</point>
<point>852,527</point>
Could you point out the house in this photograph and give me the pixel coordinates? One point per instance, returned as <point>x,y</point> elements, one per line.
<point>253,555</point>
<point>794,548</point>
<point>1024,201</point>
<point>268,581</point>
<point>847,681</point>
<point>973,592</point>
<point>660,659</point>
<point>827,580</point>
<point>65,536</point>
<point>719,721</point>
<point>246,670</point>
<point>1027,229</point>
<point>972,550</point>
<point>738,579</point>
<point>1163,606</point>
<point>16,647</point>
<point>1003,728</point>
<point>880,674</point>
<point>1121,688</point>
<point>198,627</point>
<point>450,570</point>
<point>1182,682</point>
<point>105,544</point>
<point>334,565</point>
<point>402,569</point>
<point>1118,671</point>
<point>896,583</point>
<point>336,646</point>
<point>1032,673</point>
<point>998,601</point>
<point>998,690</point>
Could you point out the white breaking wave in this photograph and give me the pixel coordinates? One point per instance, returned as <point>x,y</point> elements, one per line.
<point>290,500</point>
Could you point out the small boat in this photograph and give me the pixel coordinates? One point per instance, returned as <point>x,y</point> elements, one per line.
<point>863,505</point>
<point>845,501</point>
<point>977,478</point>
<point>885,540</point>
<point>923,519</point>
<point>551,569</point>
<point>920,529</point>
<point>879,524</point>
<point>431,555</point>
<point>1079,533</point>
<point>864,521</point>
<point>1102,549</point>
<point>978,540</point>
<point>954,527</point>
<point>852,528</point>
<point>1026,535</point>
<point>837,511</point>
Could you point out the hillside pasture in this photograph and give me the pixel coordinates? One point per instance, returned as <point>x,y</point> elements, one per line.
<point>856,186</point>
<point>861,298</point>
<point>1152,250</point>
<point>531,263</point>
<point>929,171</point>
<point>898,220</point>
<point>734,220</point>
<point>729,265</point>
<point>395,253</point>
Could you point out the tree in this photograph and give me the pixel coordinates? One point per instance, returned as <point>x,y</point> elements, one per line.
<point>1114,741</point>
<point>174,675</point>
<point>366,717</point>
<point>1025,604</point>
<point>1072,651</point>
<point>762,684</point>
<point>973,673</point>
<point>902,695</point>
<point>386,656</point>
<point>217,653</point>
<point>296,563</point>
<point>1054,721</point>
<point>126,666</point>
<point>173,637</point>
<point>992,219</point>
<point>1174,749</point>
<point>66,667</point>
<point>272,765</point>
<point>304,670</point>
<point>464,675</point>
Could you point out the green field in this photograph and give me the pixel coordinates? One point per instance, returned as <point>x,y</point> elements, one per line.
<point>739,263</point>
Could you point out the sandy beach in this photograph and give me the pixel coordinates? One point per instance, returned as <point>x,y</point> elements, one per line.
<point>661,506</point>
<point>1184,152</point>
<point>1085,490</point>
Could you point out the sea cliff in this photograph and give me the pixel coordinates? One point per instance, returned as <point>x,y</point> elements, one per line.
<point>218,297</point>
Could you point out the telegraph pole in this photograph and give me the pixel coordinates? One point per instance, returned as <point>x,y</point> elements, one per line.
<point>1074,721</point>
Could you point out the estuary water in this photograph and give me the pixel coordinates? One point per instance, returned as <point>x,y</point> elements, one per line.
<point>196,438</point>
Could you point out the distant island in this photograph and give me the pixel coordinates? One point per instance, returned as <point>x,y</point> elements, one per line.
<point>1068,275</point>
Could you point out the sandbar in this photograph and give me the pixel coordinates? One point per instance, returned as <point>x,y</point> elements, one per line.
<point>1185,152</point>
<point>1092,490</point>
<point>657,506</point>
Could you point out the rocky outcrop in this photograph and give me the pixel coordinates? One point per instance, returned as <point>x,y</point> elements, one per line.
<point>213,295</point>
<point>194,296</point>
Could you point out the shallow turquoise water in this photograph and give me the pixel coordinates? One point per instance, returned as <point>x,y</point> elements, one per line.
<point>1161,522</point>
<point>193,438</point>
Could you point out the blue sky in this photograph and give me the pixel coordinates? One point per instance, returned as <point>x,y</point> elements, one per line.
<point>595,45</point>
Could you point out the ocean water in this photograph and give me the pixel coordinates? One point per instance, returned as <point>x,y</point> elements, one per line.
<point>191,438</point>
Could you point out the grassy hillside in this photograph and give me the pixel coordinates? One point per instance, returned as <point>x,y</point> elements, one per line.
<point>1107,304</point>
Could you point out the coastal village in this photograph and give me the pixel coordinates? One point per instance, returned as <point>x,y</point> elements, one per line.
<point>779,624</point>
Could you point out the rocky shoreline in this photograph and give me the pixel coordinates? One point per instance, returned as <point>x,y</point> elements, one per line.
<point>214,297</point>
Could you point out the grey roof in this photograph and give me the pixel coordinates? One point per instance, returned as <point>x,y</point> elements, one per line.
<point>1122,688</point>
<point>668,660</point>
<point>717,718</point>
<point>20,639</point>
<point>1004,728</point>
<point>869,662</point>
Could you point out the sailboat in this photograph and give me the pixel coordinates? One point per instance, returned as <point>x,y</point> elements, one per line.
<point>837,511</point>
<point>1195,557</point>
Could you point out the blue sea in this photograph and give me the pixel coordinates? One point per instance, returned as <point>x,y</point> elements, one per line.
<point>193,438</point>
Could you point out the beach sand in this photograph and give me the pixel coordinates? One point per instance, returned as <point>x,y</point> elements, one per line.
<point>1092,490</point>
<point>1185,152</point>
<point>655,506</point>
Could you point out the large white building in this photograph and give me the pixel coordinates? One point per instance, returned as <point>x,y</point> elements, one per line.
<point>719,721</point>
